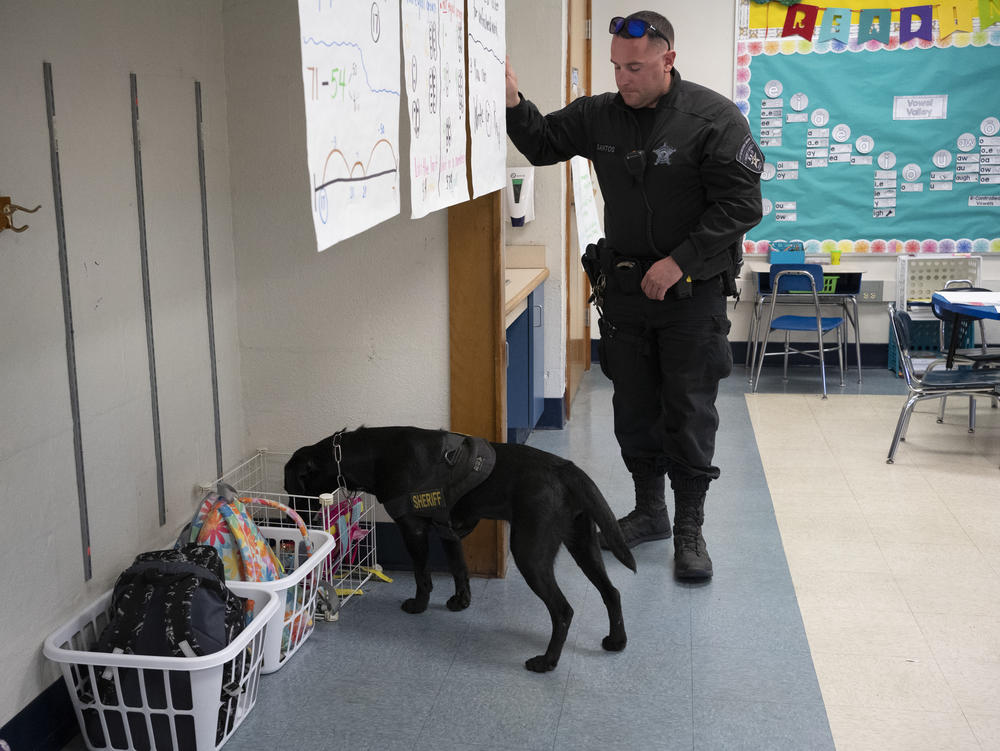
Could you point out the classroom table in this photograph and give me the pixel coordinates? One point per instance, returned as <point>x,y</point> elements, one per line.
<point>845,294</point>
<point>967,305</point>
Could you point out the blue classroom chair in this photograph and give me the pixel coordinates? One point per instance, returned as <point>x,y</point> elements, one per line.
<point>805,279</point>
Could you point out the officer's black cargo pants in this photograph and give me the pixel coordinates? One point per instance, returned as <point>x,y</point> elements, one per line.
<point>666,359</point>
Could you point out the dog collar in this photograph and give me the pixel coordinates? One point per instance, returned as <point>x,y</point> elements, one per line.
<point>338,455</point>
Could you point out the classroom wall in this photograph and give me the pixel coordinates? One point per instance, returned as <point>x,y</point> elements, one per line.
<point>355,334</point>
<point>93,47</point>
<point>537,52</point>
<point>307,342</point>
<point>704,38</point>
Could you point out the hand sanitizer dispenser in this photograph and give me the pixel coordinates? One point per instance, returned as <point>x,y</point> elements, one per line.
<point>520,195</point>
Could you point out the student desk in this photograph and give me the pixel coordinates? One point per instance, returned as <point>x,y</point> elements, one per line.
<point>845,294</point>
<point>969,305</point>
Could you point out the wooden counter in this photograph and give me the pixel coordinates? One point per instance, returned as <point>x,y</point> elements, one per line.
<point>518,284</point>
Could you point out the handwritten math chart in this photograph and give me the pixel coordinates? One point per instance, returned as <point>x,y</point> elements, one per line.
<point>487,105</point>
<point>434,71</point>
<point>350,69</point>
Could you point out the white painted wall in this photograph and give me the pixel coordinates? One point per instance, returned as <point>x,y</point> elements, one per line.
<point>93,47</point>
<point>355,334</point>
<point>704,36</point>
<point>537,51</point>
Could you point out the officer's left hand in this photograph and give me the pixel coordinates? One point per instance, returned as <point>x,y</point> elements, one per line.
<point>661,276</point>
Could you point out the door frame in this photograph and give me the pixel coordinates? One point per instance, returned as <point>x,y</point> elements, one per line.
<point>572,261</point>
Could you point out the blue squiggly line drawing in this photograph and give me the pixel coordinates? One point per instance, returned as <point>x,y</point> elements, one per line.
<point>320,42</point>
<point>494,54</point>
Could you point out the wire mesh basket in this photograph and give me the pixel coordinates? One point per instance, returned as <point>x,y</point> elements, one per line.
<point>349,518</point>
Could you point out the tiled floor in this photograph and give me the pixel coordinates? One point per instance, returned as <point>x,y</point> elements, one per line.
<point>896,567</point>
<point>854,606</point>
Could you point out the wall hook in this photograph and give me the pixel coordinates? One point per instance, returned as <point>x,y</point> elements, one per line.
<point>7,210</point>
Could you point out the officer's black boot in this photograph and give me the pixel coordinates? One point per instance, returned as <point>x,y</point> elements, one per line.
<point>691,561</point>
<point>650,519</point>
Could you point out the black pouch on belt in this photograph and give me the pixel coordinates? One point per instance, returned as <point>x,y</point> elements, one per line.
<point>591,260</point>
<point>628,275</point>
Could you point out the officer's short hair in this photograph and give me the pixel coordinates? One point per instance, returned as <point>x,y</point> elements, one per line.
<point>657,21</point>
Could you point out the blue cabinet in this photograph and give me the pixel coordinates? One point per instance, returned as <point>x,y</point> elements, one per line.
<point>526,369</point>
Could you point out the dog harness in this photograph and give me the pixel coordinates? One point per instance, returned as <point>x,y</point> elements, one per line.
<point>465,463</point>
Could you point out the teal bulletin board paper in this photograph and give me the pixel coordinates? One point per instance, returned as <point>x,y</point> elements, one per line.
<point>927,190</point>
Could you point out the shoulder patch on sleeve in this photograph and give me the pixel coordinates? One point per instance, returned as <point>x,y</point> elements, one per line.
<point>750,156</point>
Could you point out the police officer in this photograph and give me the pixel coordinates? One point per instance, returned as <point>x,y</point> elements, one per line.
<point>680,176</point>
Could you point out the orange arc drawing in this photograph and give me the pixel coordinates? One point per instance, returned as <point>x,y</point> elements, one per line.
<point>351,168</point>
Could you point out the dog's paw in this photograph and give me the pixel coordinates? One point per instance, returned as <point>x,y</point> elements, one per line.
<point>539,664</point>
<point>414,606</point>
<point>459,601</point>
<point>614,643</point>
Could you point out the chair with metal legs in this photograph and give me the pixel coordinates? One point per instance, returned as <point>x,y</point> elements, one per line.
<point>936,382</point>
<point>805,279</point>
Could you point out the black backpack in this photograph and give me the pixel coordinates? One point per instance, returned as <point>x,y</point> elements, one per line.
<point>173,603</point>
<point>169,603</point>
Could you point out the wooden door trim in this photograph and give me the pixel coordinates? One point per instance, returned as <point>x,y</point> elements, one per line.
<point>477,344</point>
<point>585,76</point>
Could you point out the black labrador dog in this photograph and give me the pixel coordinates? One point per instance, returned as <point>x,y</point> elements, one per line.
<point>449,481</point>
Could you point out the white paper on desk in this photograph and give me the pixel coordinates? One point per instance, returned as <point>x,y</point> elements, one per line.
<point>965,297</point>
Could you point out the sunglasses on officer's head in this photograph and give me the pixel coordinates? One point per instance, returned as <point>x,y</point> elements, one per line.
<point>634,28</point>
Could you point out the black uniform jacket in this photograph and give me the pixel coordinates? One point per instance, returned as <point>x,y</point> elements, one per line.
<point>702,174</point>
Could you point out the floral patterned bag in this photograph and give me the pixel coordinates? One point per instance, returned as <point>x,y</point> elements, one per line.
<point>223,522</point>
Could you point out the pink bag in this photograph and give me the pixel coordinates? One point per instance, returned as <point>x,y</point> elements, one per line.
<point>342,520</point>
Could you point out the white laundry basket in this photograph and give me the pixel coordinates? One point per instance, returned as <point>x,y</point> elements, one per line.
<point>294,619</point>
<point>166,703</point>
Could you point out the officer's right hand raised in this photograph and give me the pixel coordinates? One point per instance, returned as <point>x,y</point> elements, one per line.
<point>512,98</point>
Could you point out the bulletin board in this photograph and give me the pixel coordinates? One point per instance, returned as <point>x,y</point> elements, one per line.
<point>873,146</point>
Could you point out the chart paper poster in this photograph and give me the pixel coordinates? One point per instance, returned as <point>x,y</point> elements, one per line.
<point>350,75</point>
<point>487,94</point>
<point>434,71</point>
<point>877,137</point>
<point>588,220</point>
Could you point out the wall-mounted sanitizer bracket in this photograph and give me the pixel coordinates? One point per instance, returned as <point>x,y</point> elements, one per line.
<point>520,195</point>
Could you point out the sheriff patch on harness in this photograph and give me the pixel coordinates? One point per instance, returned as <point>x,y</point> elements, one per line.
<point>465,462</point>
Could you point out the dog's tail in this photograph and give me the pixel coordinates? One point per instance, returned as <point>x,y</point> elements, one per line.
<point>596,507</point>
